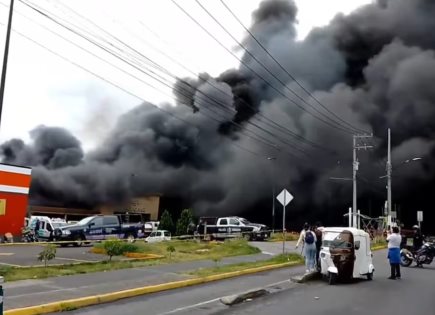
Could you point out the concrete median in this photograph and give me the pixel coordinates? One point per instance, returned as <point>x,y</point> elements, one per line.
<point>115,296</point>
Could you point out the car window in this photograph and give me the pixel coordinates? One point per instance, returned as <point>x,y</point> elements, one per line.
<point>153,234</point>
<point>98,221</point>
<point>42,225</point>
<point>224,222</point>
<point>110,221</point>
<point>234,222</point>
<point>49,228</point>
<point>167,234</point>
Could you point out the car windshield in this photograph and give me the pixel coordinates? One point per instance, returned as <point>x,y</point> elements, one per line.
<point>244,221</point>
<point>336,240</point>
<point>85,221</point>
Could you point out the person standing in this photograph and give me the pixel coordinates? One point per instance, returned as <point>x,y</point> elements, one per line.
<point>308,238</point>
<point>394,240</point>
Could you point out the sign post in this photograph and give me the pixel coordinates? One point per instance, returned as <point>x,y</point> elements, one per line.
<point>419,218</point>
<point>284,198</point>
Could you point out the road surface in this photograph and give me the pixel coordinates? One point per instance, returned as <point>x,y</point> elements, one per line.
<point>414,294</point>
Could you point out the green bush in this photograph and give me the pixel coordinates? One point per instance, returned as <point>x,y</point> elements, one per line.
<point>170,249</point>
<point>115,247</point>
<point>183,222</point>
<point>47,254</point>
<point>166,222</point>
<point>129,248</point>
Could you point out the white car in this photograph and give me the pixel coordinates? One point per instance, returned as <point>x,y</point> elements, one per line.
<point>158,236</point>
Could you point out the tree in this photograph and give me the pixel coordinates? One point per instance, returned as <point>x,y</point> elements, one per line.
<point>170,249</point>
<point>47,254</point>
<point>166,222</point>
<point>183,222</point>
<point>113,247</point>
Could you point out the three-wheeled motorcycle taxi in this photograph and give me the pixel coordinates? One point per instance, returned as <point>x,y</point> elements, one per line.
<point>346,254</point>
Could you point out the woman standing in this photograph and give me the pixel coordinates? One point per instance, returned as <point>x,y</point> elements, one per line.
<point>308,238</point>
<point>394,240</point>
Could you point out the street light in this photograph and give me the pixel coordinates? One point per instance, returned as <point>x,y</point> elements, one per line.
<point>404,163</point>
<point>272,158</point>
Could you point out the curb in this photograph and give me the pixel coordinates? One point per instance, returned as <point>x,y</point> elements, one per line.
<point>60,306</point>
<point>374,248</point>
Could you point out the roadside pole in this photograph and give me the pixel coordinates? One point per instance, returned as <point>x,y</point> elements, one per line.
<point>283,226</point>
<point>284,198</point>
<point>1,295</point>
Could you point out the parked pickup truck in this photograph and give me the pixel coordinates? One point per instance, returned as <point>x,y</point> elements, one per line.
<point>232,227</point>
<point>99,227</point>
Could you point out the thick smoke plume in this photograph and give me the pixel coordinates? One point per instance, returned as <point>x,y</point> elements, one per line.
<point>374,68</point>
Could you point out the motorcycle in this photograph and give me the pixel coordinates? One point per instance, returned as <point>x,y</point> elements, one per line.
<point>424,255</point>
<point>29,236</point>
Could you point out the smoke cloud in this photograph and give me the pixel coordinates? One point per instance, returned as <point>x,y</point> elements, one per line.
<point>374,68</point>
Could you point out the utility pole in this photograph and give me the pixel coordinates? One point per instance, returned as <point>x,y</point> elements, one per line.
<point>355,169</point>
<point>5,58</point>
<point>389,173</point>
<point>273,159</point>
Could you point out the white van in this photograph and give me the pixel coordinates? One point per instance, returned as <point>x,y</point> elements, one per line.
<point>46,226</point>
<point>158,236</point>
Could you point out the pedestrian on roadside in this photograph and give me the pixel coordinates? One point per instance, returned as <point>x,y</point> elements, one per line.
<point>308,238</point>
<point>394,240</point>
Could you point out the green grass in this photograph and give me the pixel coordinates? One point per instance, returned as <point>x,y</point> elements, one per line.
<point>277,237</point>
<point>204,272</point>
<point>184,251</point>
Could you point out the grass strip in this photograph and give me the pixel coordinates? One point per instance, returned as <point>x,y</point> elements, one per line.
<point>280,259</point>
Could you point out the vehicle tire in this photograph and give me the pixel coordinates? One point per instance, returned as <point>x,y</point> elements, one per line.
<point>247,237</point>
<point>405,261</point>
<point>332,278</point>
<point>370,276</point>
<point>130,238</point>
<point>79,241</point>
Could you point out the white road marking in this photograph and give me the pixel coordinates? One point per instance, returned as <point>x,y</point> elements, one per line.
<point>267,253</point>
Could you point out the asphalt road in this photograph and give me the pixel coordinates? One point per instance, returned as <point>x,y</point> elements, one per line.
<point>26,255</point>
<point>414,294</point>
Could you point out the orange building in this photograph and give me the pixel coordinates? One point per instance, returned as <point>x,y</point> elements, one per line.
<point>14,192</point>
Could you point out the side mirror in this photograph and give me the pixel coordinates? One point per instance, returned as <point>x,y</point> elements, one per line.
<point>91,224</point>
<point>357,245</point>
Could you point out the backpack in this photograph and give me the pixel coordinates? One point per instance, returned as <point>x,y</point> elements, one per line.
<point>309,237</point>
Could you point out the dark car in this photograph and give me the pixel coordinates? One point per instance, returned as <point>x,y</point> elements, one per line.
<point>97,228</point>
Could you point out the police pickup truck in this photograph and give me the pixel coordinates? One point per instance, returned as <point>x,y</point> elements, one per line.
<point>232,227</point>
<point>98,228</point>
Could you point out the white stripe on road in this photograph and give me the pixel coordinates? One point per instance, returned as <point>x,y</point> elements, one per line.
<point>185,308</point>
<point>267,253</point>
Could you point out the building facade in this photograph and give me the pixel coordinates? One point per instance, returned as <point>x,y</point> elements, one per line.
<point>14,191</point>
<point>147,207</point>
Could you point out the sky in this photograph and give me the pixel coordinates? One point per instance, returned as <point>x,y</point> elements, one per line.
<point>44,89</point>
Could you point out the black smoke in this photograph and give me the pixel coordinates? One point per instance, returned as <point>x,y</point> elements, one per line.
<point>374,68</point>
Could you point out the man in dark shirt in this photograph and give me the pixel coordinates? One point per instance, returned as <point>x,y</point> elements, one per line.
<point>418,238</point>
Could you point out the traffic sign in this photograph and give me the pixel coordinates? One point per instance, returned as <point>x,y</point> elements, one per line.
<point>284,197</point>
<point>419,216</point>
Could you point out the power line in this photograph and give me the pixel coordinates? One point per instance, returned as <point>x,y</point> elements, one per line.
<point>286,71</point>
<point>123,89</point>
<point>293,134</point>
<point>163,79</point>
<point>257,74</point>
<point>256,137</point>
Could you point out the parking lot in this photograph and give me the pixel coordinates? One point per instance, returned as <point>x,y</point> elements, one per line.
<point>27,255</point>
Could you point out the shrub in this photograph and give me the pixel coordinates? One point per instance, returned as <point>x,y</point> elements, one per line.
<point>170,249</point>
<point>129,248</point>
<point>48,253</point>
<point>113,248</point>
<point>183,222</point>
<point>166,222</point>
